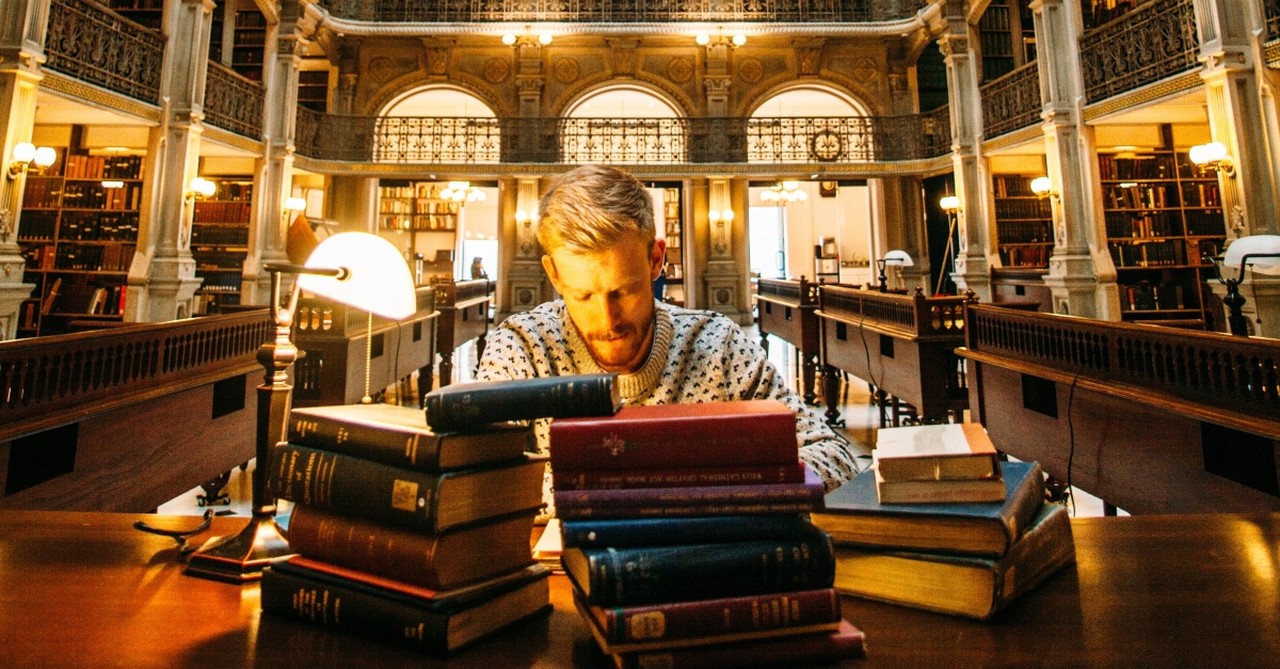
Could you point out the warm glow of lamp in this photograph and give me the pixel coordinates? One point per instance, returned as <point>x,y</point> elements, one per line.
<point>509,39</point>
<point>702,39</point>
<point>1260,253</point>
<point>462,192</point>
<point>1212,156</point>
<point>201,187</point>
<point>739,39</point>
<point>1042,187</point>
<point>354,268</point>
<point>544,39</point>
<point>896,257</point>
<point>784,193</point>
<point>26,155</point>
<point>295,204</point>
<point>949,203</point>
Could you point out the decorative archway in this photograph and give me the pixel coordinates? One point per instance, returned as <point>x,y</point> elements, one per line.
<point>438,124</point>
<point>623,124</point>
<point>809,123</point>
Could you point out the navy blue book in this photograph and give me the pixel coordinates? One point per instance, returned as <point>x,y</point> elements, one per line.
<point>628,532</point>
<point>853,516</point>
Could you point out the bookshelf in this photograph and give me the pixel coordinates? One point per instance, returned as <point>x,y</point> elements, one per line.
<point>78,234</point>
<point>220,241</point>
<point>673,231</point>
<point>249,43</point>
<point>148,13</point>
<point>313,89</point>
<point>414,216</point>
<point>1006,33</point>
<point>1164,227</point>
<point>1024,223</point>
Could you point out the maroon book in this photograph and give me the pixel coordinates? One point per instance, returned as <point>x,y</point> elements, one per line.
<point>677,477</point>
<point>740,432</point>
<point>785,651</point>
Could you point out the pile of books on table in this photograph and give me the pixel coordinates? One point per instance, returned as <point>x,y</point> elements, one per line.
<point>926,528</point>
<point>686,541</point>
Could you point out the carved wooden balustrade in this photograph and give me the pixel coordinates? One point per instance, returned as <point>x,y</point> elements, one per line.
<point>787,309</point>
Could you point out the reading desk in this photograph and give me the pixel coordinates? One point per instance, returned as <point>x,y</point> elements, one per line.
<point>787,311</point>
<point>85,589</point>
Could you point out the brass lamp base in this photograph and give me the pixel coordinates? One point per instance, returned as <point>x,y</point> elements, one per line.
<point>239,558</point>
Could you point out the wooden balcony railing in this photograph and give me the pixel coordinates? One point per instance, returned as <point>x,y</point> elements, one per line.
<point>915,315</point>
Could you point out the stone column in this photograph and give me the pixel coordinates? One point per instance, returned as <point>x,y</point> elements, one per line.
<point>975,236</point>
<point>162,278</point>
<point>897,222</point>
<point>1081,278</point>
<point>22,34</point>
<point>723,277</point>
<point>526,283</point>
<point>1240,91</point>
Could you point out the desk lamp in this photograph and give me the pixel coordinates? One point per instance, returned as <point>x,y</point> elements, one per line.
<point>1258,252</point>
<point>353,268</point>
<point>894,257</point>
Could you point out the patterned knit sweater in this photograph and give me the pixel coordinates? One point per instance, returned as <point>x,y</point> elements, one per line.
<point>697,356</point>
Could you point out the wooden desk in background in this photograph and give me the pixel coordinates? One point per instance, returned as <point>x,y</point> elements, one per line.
<point>464,315</point>
<point>85,590</point>
<point>786,310</point>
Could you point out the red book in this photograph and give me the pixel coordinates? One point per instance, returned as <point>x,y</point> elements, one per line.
<point>693,500</point>
<point>677,477</point>
<point>741,432</point>
<point>785,651</point>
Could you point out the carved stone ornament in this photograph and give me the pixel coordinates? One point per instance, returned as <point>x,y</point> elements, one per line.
<point>680,70</point>
<point>567,70</point>
<point>383,68</point>
<point>437,61</point>
<point>496,70</point>
<point>750,70</point>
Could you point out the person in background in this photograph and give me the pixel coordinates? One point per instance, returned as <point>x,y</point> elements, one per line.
<point>597,234</point>
<point>477,268</point>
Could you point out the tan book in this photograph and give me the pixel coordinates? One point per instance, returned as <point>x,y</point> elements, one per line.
<point>935,453</point>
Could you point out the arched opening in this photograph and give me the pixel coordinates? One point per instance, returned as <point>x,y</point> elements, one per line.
<point>622,124</point>
<point>438,124</point>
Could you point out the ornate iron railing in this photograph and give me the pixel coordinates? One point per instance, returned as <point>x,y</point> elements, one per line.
<point>622,141</point>
<point>89,42</point>
<point>1012,102</point>
<point>1237,374</point>
<point>233,102</point>
<point>44,380</point>
<point>1150,43</point>
<point>625,11</point>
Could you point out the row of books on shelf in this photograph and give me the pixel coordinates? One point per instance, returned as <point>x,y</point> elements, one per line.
<point>1144,296</point>
<point>1023,208</point>
<point>220,235</point>
<point>98,226</point>
<point>421,222</point>
<point>80,257</point>
<point>1015,232</point>
<point>1026,256</point>
<point>221,212</point>
<point>1163,253</point>
<point>1151,166</point>
<point>220,282</point>
<point>95,195</point>
<point>217,257</point>
<point>65,297</point>
<point>422,190</point>
<point>79,166</point>
<point>41,193</point>
<point>1149,224</point>
<point>1011,185</point>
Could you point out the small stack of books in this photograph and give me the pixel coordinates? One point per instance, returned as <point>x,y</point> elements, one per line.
<point>685,538</point>
<point>964,559</point>
<point>403,534</point>
<point>936,463</point>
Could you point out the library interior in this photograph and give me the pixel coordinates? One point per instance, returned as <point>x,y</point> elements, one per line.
<point>1052,221</point>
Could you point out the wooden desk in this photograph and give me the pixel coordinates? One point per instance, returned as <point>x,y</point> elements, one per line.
<point>85,589</point>
<point>903,346</point>
<point>464,315</point>
<point>786,309</point>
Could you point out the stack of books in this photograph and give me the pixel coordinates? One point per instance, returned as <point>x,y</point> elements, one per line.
<point>685,538</point>
<point>936,463</point>
<point>968,559</point>
<point>404,534</point>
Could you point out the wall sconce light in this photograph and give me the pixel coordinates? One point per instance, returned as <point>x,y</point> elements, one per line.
<point>1212,156</point>
<point>950,204</point>
<point>895,257</point>
<point>784,193</point>
<point>720,215</point>
<point>353,268</point>
<point>293,205</point>
<point>1261,253</point>
<point>1043,187</point>
<point>200,187</point>
<point>462,192</point>
<point>544,38</point>
<point>737,39</point>
<point>26,156</point>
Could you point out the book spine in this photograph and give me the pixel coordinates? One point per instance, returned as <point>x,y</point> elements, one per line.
<point>353,486</point>
<point>675,477</point>
<point>333,606</point>
<point>359,544</point>
<point>810,492</point>
<point>738,439</point>
<point>1046,547</point>
<point>789,651</point>
<point>379,444</point>
<point>463,406</point>
<point>647,575</point>
<point>632,532</point>
<point>684,510</point>
<point>725,615</point>
<point>1027,501</point>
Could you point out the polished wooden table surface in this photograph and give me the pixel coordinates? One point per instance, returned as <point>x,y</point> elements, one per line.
<point>87,590</point>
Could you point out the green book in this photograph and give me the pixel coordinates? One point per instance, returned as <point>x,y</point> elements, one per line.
<point>968,586</point>
<point>853,516</point>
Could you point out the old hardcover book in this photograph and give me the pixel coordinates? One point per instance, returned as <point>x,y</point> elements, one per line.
<point>652,574</point>
<point>631,532</point>
<point>430,560</point>
<point>969,586</point>
<point>710,500</point>
<point>429,597</point>
<point>711,434</point>
<point>398,435</point>
<point>719,620</point>
<point>674,477</point>
<point>393,616</point>
<point>935,453</point>
<point>402,497</point>
<point>853,516</point>
<point>819,648</point>
<point>939,492</point>
<point>478,404</point>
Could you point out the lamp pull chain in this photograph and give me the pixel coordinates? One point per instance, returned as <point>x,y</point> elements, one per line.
<point>368,355</point>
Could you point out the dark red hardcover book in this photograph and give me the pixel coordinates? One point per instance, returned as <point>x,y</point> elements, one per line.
<point>675,624</point>
<point>694,500</point>
<point>673,477</point>
<point>710,434</point>
<point>786,651</point>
